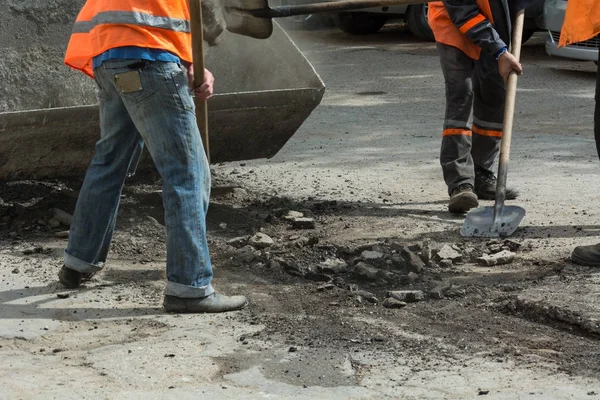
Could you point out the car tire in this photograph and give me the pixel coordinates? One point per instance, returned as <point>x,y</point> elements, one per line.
<point>359,23</point>
<point>416,18</point>
<point>527,34</point>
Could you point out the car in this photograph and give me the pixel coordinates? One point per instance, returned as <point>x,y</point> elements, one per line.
<point>371,20</point>
<point>534,18</point>
<point>554,17</point>
<point>360,22</point>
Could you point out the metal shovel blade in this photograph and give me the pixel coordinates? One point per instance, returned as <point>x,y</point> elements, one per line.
<point>481,222</point>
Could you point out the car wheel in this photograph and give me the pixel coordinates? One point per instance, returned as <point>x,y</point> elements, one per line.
<point>416,18</point>
<point>359,23</point>
<point>527,34</point>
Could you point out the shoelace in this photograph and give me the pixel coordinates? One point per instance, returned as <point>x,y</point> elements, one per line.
<point>486,176</point>
<point>464,186</point>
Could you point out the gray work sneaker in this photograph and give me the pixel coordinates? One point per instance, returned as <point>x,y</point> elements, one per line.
<point>462,199</point>
<point>485,185</point>
<point>587,255</point>
<point>215,303</point>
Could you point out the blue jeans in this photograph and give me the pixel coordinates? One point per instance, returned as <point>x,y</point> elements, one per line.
<point>160,115</point>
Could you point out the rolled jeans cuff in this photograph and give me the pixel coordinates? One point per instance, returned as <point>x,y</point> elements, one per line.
<point>78,265</point>
<point>188,292</point>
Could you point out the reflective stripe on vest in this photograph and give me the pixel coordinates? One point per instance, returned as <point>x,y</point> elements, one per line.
<point>132,18</point>
<point>472,23</point>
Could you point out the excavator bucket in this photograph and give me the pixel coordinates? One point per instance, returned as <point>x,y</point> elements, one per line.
<point>265,90</point>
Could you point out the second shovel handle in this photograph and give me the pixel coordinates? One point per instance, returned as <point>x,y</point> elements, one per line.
<point>198,55</point>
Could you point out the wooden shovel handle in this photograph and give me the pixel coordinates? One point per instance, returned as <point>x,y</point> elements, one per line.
<point>198,54</point>
<point>509,111</point>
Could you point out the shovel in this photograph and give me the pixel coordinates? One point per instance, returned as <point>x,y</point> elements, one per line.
<point>198,55</point>
<point>254,17</point>
<point>501,220</point>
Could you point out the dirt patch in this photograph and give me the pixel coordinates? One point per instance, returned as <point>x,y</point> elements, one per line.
<point>313,293</point>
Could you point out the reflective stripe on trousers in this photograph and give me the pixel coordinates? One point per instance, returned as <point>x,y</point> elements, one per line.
<point>473,87</point>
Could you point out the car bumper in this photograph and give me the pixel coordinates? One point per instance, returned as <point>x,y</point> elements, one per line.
<point>586,51</point>
<point>554,17</point>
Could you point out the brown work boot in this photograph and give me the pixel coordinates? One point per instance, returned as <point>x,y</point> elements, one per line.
<point>462,199</point>
<point>587,255</point>
<point>485,185</point>
<point>215,303</point>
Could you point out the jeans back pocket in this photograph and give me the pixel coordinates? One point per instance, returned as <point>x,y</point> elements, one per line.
<point>134,81</point>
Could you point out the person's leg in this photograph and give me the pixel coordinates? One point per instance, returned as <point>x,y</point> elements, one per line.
<point>455,155</point>
<point>597,108</point>
<point>96,211</point>
<point>488,117</point>
<point>167,123</point>
<point>590,255</point>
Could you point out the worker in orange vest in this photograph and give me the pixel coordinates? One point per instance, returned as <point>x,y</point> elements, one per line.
<point>140,53</point>
<point>582,22</point>
<point>472,41</point>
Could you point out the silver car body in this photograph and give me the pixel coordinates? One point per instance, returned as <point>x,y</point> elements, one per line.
<point>395,10</point>
<point>554,17</point>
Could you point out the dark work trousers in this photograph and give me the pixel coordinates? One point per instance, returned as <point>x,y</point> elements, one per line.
<point>597,110</point>
<point>472,87</point>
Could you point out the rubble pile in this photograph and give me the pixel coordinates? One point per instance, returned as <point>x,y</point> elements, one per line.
<point>273,235</point>
<point>402,272</point>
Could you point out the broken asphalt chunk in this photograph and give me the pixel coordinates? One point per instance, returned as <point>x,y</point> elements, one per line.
<point>246,254</point>
<point>408,296</point>
<point>368,296</point>
<point>332,266</point>
<point>390,302</point>
<point>261,241</point>
<point>503,257</point>
<point>512,245</point>
<point>414,263</point>
<point>448,253</point>
<point>371,255</point>
<point>238,242</point>
<point>365,271</point>
<point>292,215</point>
<point>62,216</point>
<point>303,223</point>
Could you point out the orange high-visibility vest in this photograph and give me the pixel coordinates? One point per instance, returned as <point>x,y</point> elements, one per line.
<point>106,24</point>
<point>446,32</point>
<point>582,21</point>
